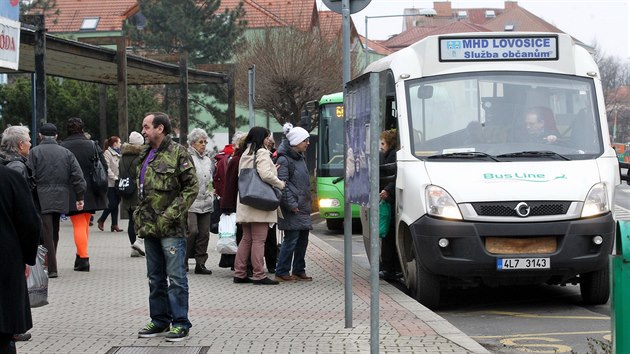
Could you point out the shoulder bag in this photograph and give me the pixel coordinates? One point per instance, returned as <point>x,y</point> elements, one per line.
<point>255,192</point>
<point>99,176</point>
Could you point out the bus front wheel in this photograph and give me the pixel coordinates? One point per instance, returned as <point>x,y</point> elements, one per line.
<point>423,286</point>
<point>595,287</point>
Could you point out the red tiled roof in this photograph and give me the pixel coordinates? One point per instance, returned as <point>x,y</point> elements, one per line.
<point>415,34</point>
<point>523,21</point>
<point>301,14</point>
<point>111,14</point>
<point>376,46</point>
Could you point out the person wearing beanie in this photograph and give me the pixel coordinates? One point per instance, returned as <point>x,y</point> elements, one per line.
<point>295,205</point>
<point>129,161</point>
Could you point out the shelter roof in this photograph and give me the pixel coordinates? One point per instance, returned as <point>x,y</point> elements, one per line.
<point>85,62</point>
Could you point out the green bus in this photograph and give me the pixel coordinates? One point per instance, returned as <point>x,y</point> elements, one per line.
<point>330,170</point>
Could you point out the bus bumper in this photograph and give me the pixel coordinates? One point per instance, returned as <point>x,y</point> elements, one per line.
<point>467,257</point>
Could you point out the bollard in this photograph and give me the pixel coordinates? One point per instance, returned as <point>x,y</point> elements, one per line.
<point>620,285</point>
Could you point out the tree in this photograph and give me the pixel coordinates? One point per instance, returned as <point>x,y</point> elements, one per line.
<point>192,30</point>
<point>72,98</point>
<point>293,67</point>
<point>46,7</point>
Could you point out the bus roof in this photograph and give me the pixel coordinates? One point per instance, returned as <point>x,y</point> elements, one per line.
<point>336,97</point>
<point>488,51</point>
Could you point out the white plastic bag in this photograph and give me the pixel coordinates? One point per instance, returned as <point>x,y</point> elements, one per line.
<point>37,279</point>
<point>227,234</point>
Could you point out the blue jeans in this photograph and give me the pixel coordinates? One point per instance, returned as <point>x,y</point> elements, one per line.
<point>168,282</point>
<point>293,248</point>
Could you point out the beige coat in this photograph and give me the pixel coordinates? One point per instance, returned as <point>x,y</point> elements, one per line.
<point>268,173</point>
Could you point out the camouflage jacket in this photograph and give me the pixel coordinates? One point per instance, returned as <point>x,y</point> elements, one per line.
<point>170,187</point>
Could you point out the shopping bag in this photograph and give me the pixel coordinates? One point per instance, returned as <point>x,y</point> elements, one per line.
<point>37,279</point>
<point>227,234</point>
<point>384,218</point>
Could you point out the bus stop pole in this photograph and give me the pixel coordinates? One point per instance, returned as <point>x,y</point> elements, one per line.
<point>347,222</point>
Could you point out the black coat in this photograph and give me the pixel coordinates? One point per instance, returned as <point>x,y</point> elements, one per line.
<point>20,227</point>
<point>84,149</point>
<point>57,176</point>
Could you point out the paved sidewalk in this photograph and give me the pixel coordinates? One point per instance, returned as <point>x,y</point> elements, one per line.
<point>102,311</point>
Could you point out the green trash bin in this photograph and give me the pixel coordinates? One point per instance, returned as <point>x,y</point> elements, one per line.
<point>620,285</point>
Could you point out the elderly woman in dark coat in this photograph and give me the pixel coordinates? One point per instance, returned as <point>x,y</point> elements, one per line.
<point>20,227</point>
<point>95,199</point>
<point>295,206</point>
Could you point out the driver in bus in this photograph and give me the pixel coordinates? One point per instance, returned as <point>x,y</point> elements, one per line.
<point>541,127</point>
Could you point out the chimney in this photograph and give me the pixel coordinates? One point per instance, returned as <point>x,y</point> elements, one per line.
<point>443,8</point>
<point>509,5</point>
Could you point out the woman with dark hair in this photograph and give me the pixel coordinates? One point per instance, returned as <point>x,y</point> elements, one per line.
<point>95,199</point>
<point>255,222</point>
<point>390,266</point>
<point>112,156</point>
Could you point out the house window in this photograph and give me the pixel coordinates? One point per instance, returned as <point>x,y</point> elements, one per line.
<point>89,23</point>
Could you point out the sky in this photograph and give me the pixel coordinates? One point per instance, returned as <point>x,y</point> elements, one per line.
<point>604,21</point>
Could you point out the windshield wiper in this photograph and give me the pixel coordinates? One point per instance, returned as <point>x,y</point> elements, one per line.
<point>464,155</point>
<point>534,154</point>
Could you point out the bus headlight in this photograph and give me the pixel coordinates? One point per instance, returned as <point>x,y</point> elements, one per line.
<point>441,204</point>
<point>596,201</point>
<point>329,203</point>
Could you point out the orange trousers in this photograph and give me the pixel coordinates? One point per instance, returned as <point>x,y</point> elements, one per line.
<point>81,225</point>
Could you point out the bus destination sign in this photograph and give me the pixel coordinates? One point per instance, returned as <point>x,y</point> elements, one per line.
<point>498,48</point>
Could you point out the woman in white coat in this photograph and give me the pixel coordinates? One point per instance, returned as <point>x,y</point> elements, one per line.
<point>255,222</point>
<point>200,210</point>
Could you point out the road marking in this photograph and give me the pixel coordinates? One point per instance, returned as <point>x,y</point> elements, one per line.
<point>528,315</point>
<point>525,347</point>
<point>526,335</point>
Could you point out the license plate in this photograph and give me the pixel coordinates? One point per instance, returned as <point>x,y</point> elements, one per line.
<point>523,263</point>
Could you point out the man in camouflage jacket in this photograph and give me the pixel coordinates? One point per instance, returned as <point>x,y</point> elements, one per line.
<point>168,187</point>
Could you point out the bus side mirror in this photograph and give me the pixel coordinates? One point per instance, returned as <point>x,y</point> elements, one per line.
<point>425,92</point>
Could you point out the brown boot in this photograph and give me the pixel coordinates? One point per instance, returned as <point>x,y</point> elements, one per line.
<point>101,225</point>
<point>115,228</point>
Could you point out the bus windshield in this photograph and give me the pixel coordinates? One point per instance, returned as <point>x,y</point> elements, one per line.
<point>504,114</point>
<point>331,128</point>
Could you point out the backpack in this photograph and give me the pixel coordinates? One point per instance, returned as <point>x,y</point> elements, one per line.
<point>126,184</point>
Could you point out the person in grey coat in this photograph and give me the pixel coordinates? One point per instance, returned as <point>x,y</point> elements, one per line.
<point>295,205</point>
<point>57,177</point>
<point>19,235</point>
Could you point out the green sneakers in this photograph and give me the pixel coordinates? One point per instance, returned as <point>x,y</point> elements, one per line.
<point>152,330</point>
<point>176,334</point>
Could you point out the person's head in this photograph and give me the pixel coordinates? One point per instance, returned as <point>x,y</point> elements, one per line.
<point>388,140</point>
<point>113,142</point>
<point>74,126</point>
<point>270,143</point>
<point>16,140</point>
<point>534,122</point>
<point>238,139</point>
<point>48,130</point>
<point>298,137</point>
<point>155,126</point>
<point>198,139</point>
<point>256,138</point>
<point>136,138</point>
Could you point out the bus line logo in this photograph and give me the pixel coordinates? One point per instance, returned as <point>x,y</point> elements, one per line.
<point>453,44</point>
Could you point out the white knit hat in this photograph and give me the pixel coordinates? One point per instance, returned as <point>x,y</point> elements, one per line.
<point>295,135</point>
<point>136,138</point>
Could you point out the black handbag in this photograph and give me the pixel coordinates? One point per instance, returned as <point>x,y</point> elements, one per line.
<point>99,176</point>
<point>255,192</point>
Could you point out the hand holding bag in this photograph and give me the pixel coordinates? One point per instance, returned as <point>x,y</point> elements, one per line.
<point>37,279</point>
<point>227,234</point>
<point>255,192</point>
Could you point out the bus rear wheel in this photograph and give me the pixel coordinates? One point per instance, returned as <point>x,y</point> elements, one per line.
<point>423,286</point>
<point>595,287</point>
